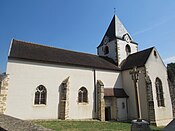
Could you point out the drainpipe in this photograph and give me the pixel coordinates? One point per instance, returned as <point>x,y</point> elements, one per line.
<point>95,94</point>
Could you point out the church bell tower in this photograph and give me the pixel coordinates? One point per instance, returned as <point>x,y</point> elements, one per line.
<point>117,43</point>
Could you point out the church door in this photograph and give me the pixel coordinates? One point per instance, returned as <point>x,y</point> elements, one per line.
<point>107,113</point>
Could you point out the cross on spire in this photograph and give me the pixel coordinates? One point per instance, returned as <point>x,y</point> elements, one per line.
<point>114,11</point>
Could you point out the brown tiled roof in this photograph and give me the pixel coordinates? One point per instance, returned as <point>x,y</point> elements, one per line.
<point>138,59</point>
<point>116,92</point>
<point>39,53</point>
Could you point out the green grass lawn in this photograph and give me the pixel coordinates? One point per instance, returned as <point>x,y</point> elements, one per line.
<point>88,126</point>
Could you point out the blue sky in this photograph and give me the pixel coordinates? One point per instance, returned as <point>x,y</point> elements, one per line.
<point>80,24</point>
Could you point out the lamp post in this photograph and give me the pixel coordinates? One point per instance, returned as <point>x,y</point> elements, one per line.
<point>135,77</point>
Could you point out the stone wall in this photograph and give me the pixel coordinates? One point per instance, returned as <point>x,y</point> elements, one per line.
<point>172,94</point>
<point>150,102</point>
<point>100,101</point>
<point>8,123</point>
<point>3,92</point>
<point>64,101</point>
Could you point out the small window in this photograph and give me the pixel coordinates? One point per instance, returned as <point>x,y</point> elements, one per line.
<point>82,95</point>
<point>40,95</point>
<point>155,54</point>
<point>106,50</point>
<point>128,50</point>
<point>123,105</point>
<point>159,92</point>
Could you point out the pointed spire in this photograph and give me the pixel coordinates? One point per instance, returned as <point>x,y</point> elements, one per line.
<point>119,28</point>
<point>115,29</point>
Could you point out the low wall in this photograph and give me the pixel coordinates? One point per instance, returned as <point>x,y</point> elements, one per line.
<point>8,123</point>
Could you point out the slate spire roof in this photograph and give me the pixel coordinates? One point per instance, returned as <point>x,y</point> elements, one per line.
<point>116,30</point>
<point>21,50</point>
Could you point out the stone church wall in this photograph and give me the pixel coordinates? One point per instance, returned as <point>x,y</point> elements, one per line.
<point>27,76</point>
<point>156,68</point>
<point>112,50</point>
<point>121,50</point>
<point>3,92</point>
<point>172,94</point>
<point>64,100</point>
<point>100,101</point>
<point>122,113</point>
<point>130,91</point>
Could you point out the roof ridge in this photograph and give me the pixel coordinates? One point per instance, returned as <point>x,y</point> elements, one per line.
<point>137,59</point>
<point>42,45</point>
<point>141,51</point>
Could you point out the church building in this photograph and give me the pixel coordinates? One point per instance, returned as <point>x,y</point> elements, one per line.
<point>43,82</point>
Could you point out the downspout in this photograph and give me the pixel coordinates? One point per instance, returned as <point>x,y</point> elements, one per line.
<point>127,108</point>
<point>95,94</point>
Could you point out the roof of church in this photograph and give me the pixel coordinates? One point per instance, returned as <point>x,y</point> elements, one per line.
<point>137,59</point>
<point>35,52</point>
<point>117,92</point>
<point>116,30</point>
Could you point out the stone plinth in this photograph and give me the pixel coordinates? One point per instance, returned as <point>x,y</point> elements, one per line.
<point>140,125</point>
<point>170,126</point>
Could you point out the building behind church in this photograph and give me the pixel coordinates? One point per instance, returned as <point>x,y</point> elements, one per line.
<point>50,83</point>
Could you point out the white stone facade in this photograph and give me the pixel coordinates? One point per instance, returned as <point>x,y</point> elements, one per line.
<point>26,76</point>
<point>156,68</point>
<point>51,76</point>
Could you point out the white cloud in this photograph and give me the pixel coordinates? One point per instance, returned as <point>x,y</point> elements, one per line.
<point>169,60</point>
<point>165,21</point>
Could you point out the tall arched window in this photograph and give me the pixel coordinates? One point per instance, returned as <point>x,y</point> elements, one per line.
<point>159,92</point>
<point>82,95</point>
<point>128,49</point>
<point>40,95</point>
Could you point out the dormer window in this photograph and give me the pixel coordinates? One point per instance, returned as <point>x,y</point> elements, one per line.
<point>128,50</point>
<point>127,38</point>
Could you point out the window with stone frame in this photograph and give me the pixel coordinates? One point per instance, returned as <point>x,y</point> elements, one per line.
<point>40,95</point>
<point>159,92</point>
<point>82,95</point>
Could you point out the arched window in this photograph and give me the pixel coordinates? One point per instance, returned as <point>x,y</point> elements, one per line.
<point>106,50</point>
<point>159,92</point>
<point>155,54</point>
<point>40,95</point>
<point>82,95</point>
<point>127,49</point>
